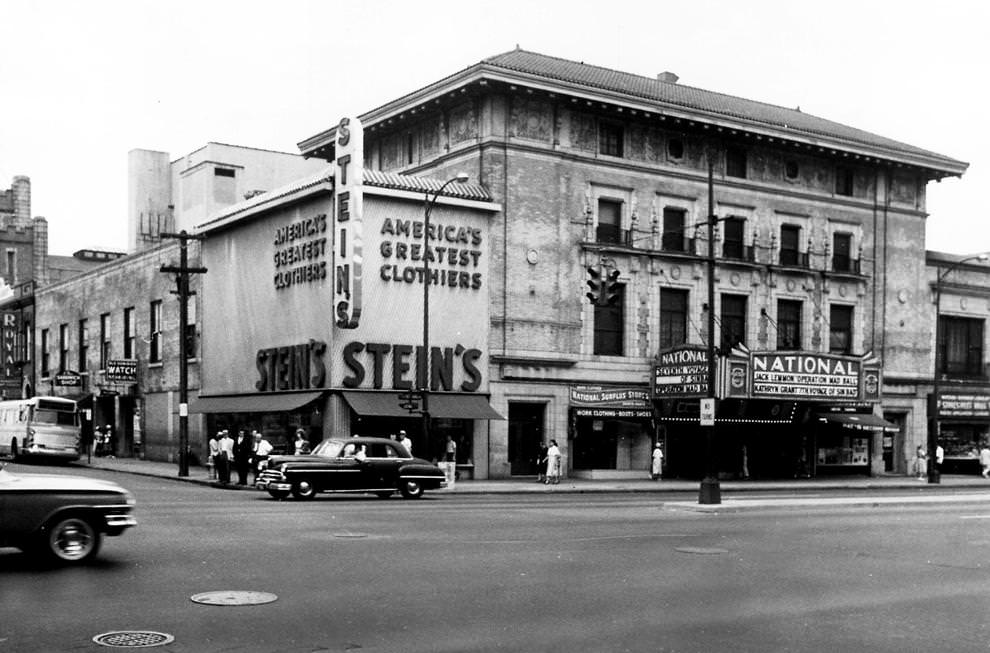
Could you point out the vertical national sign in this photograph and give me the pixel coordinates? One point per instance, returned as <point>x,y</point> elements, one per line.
<point>348,241</point>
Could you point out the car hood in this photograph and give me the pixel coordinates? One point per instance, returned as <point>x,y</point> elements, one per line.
<point>10,481</point>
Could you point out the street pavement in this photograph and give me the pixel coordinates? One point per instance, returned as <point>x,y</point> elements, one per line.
<point>736,494</point>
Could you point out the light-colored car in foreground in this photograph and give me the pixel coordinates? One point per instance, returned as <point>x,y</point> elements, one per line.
<point>61,518</point>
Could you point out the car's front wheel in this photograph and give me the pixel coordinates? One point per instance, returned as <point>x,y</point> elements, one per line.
<point>303,490</point>
<point>411,489</point>
<point>71,539</point>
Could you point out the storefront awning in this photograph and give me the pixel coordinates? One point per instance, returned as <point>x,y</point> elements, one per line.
<point>442,405</point>
<point>861,421</point>
<point>267,402</point>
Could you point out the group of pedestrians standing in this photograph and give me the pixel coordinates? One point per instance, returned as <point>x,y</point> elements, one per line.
<point>548,463</point>
<point>244,454</point>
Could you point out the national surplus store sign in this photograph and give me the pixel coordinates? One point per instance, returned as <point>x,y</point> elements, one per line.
<point>604,402</point>
<point>804,376</point>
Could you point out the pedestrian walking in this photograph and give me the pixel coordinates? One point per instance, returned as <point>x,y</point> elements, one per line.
<point>656,469</point>
<point>939,457</point>
<point>243,447</point>
<point>450,455</point>
<point>553,464</point>
<point>211,462</point>
<point>99,448</point>
<point>541,463</point>
<point>110,435</point>
<point>225,456</point>
<point>920,463</point>
<point>985,460</point>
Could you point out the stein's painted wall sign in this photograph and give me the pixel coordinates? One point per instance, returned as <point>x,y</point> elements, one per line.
<point>448,365</point>
<point>348,223</point>
<point>454,255</point>
<point>296,367</point>
<point>301,251</point>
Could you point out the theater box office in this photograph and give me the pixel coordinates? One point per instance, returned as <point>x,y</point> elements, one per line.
<point>780,414</point>
<point>313,310</point>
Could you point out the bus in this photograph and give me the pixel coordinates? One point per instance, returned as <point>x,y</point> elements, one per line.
<point>40,427</point>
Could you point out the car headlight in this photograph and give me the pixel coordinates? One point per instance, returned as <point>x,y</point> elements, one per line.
<point>129,498</point>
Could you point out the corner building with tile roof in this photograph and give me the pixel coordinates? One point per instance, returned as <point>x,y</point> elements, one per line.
<point>819,244</point>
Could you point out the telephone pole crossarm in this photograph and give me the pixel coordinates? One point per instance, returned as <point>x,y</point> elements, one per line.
<point>182,272</point>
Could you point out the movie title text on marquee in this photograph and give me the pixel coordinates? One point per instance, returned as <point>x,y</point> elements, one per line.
<point>348,241</point>
<point>681,372</point>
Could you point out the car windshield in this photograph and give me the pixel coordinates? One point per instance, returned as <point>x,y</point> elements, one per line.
<point>328,448</point>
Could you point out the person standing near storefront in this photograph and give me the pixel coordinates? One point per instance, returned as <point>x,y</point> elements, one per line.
<point>211,462</point>
<point>405,441</point>
<point>657,468</point>
<point>450,455</point>
<point>985,460</point>
<point>262,450</point>
<point>553,464</point>
<point>301,445</point>
<point>920,463</point>
<point>541,463</point>
<point>242,456</point>
<point>225,456</point>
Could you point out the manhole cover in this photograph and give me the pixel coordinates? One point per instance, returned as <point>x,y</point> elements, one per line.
<point>233,597</point>
<point>133,639</point>
<point>701,550</point>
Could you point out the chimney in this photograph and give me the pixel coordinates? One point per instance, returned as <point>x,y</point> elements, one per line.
<point>668,77</point>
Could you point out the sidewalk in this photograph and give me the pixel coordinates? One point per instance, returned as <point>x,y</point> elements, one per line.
<point>796,492</point>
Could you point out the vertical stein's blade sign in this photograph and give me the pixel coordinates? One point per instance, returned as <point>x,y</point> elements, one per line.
<point>348,243</point>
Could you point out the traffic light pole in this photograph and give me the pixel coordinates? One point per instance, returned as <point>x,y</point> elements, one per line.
<point>182,273</point>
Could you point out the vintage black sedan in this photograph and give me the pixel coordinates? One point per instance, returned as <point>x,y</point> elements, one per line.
<point>61,518</point>
<point>370,465</point>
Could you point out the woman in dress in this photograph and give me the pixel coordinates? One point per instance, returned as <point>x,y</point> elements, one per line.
<point>553,464</point>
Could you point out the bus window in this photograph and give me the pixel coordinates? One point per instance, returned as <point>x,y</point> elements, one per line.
<point>49,416</point>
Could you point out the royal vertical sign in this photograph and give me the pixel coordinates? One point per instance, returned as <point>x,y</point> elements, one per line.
<point>10,330</point>
<point>348,240</point>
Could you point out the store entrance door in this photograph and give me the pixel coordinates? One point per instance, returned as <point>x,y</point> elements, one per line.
<point>526,431</point>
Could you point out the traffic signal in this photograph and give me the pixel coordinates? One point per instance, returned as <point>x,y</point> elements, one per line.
<point>596,283</point>
<point>612,289</point>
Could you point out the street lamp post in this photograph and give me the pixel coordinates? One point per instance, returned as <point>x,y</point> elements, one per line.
<point>431,201</point>
<point>934,425</point>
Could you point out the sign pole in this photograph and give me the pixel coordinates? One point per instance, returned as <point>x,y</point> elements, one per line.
<point>710,492</point>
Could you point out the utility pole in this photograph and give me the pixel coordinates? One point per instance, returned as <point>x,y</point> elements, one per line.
<point>182,273</point>
<point>710,492</point>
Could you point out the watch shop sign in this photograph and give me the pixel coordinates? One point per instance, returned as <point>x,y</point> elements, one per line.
<point>120,370</point>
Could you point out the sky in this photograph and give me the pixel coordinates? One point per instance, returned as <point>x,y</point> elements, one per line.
<point>83,83</point>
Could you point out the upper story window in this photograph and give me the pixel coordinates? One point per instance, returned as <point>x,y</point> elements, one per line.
<point>104,340</point>
<point>190,331</point>
<point>609,228</point>
<point>840,323</point>
<point>844,181</point>
<point>155,332</point>
<point>961,351</point>
<point>46,357</point>
<point>83,345</point>
<point>609,326</point>
<point>675,149</point>
<point>733,232</point>
<point>63,347</point>
<point>788,325</point>
<point>790,245</point>
<point>10,275</point>
<point>673,317</point>
<point>129,332</point>
<point>610,138</point>
<point>735,162</point>
<point>842,252</point>
<point>791,170</point>
<point>223,172</point>
<point>733,321</point>
<point>673,239</point>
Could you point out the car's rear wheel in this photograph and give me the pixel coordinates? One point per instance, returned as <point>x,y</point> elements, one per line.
<point>303,490</point>
<point>278,494</point>
<point>411,489</point>
<point>71,539</point>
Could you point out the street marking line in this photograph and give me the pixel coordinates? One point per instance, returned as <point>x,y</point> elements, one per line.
<point>974,516</point>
